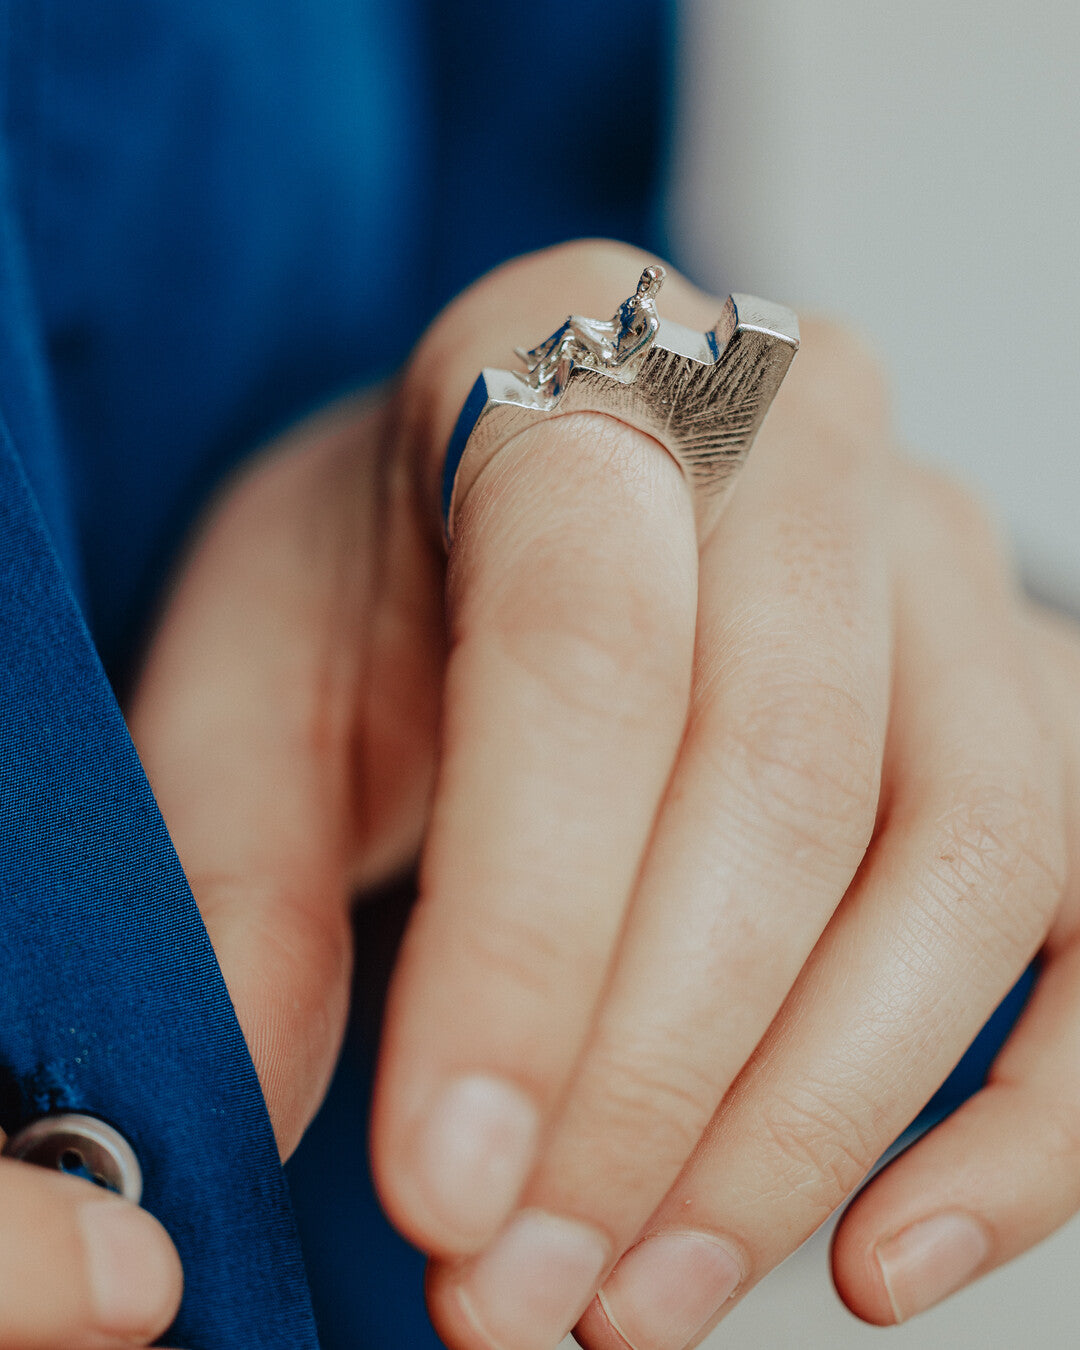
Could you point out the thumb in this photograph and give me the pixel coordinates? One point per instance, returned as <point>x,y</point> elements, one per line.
<point>244,718</point>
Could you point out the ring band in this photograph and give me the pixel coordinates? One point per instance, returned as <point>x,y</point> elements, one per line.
<point>703,396</point>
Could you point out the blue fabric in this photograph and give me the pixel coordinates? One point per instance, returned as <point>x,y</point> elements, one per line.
<point>111,1000</point>
<point>367,1283</point>
<point>970,1074</point>
<point>211,196</point>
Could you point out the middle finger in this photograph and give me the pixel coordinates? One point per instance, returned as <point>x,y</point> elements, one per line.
<point>765,821</point>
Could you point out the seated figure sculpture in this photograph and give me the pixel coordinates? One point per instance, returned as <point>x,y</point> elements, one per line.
<point>609,343</point>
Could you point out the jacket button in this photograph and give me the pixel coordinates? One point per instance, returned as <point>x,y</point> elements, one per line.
<point>82,1146</point>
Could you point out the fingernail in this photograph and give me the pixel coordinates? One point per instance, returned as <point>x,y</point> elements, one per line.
<point>530,1287</point>
<point>930,1260</point>
<point>475,1151</point>
<point>668,1289</point>
<point>133,1269</point>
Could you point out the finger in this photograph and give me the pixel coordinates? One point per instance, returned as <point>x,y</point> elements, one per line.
<point>78,1269</point>
<point>955,896</point>
<point>1003,1172</point>
<point>572,592</point>
<point>252,721</point>
<point>995,1178</point>
<point>766,819</point>
<point>1055,637</point>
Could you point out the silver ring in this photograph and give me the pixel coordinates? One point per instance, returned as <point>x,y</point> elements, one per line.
<point>703,396</point>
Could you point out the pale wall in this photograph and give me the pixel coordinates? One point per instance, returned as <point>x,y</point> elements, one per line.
<point>915,166</point>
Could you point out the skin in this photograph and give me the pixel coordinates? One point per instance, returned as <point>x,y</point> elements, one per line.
<point>728,846</point>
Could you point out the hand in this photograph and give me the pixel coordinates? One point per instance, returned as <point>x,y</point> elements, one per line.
<point>730,846</point>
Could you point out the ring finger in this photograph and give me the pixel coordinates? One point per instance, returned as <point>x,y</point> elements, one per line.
<point>956,894</point>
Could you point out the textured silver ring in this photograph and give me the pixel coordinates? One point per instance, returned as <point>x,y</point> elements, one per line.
<point>703,396</point>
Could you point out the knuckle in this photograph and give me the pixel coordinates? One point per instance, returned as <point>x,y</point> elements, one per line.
<point>999,866</point>
<point>590,635</point>
<point>842,345</point>
<point>519,951</point>
<point>807,754</point>
<point>617,672</point>
<point>838,370</point>
<point>817,1147</point>
<point>1059,1127</point>
<point>1054,1119</point>
<point>654,1103</point>
<point>959,512</point>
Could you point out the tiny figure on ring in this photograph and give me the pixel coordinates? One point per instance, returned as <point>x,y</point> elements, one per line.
<point>609,343</point>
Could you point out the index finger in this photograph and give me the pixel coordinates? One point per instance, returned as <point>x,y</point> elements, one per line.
<point>572,596</point>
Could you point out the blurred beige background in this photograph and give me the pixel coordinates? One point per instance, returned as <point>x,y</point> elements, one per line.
<point>915,167</point>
